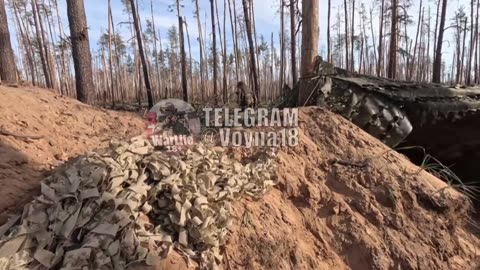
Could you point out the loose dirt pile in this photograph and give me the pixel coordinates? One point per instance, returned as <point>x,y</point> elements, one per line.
<point>40,130</point>
<point>343,200</point>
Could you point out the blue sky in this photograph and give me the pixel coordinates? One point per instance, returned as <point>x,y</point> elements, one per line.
<point>267,17</point>
<point>266,11</point>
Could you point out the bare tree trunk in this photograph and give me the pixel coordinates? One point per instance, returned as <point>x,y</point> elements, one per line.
<point>272,60</point>
<point>458,52</point>
<point>476,44</point>
<point>105,78</point>
<point>468,79</point>
<point>214,50</point>
<point>462,65</point>
<point>392,64</point>
<point>222,50</point>
<point>436,26</point>
<point>373,38</point>
<point>420,19</point>
<point>329,46</point>
<point>253,62</point>
<point>380,41</point>
<point>190,56</point>
<point>225,65</point>
<point>26,44</point>
<point>8,70</point>
<point>426,71</point>
<point>254,35</point>
<point>437,63</point>
<point>282,45</point>
<point>365,59</point>
<point>45,44</point>
<point>293,45</point>
<point>65,66</point>
<point>347,51</point>
<point>82,59</point>
<point>310,33</point>
<point>138,34</point>
<point>182,54</point>
<point>352,59</point>
<point>41,51</point>
<point>202,53</point>
<point>233,23</point>
<point>54,67</point>
<point>157,65</point>
<point>110,61</point>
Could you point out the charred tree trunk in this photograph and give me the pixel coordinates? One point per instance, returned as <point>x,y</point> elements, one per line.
<point>222,52</point>
<point>329,46</point>
<point>82,59</point>
<point>8,70</point>
<point>373,40</point>
<point>183,55</point>
<point>110,59</point>
<point>293,44</point>
<point>254,35</point>
<point>225,65</point>
<point>352,34</point>
<point>392,63</point>
<point>43,57</point>
<point>138,34</point>
<point>436,27</point>
<point>156,54</point>
<point>214,50</point>
<point>476,44</point>
<point>64,64</point>
<point>190,60</point>
<point>45,45</point>
<point>202,53</point>
<point>310,32</point>
<point>468,77</point>
<point>347,51</point>
<point>462,66</point>
<point>235,42</point>
<point>412,64</point>
<point>380,41</point>
<point>282,45</point>
<point>26,44</point>
<point>253,62</point>
<point>437,63</point>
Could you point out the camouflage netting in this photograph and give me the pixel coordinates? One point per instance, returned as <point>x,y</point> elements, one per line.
<point>130,203</point>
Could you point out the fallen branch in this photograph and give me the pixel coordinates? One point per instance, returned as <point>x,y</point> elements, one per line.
<point>22,137</point>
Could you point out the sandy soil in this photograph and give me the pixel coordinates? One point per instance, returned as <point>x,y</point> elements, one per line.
<point>47,130</point>
<point>343,201</point>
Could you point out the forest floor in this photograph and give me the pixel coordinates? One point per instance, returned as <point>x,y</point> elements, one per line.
<point>343,199</point>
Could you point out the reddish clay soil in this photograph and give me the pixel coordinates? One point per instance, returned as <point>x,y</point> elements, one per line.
<point>40,130</point>
<point>343,200</point>
<point>346,201</point>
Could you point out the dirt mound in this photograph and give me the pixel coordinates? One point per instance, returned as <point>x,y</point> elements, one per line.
<point>343,200</point>
<point>40,130</point>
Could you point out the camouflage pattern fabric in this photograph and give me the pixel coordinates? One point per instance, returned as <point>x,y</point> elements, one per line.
<point>387,109</point>
<point>130,203</point>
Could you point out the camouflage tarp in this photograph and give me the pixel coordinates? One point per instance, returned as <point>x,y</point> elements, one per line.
<point>130,203</point>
